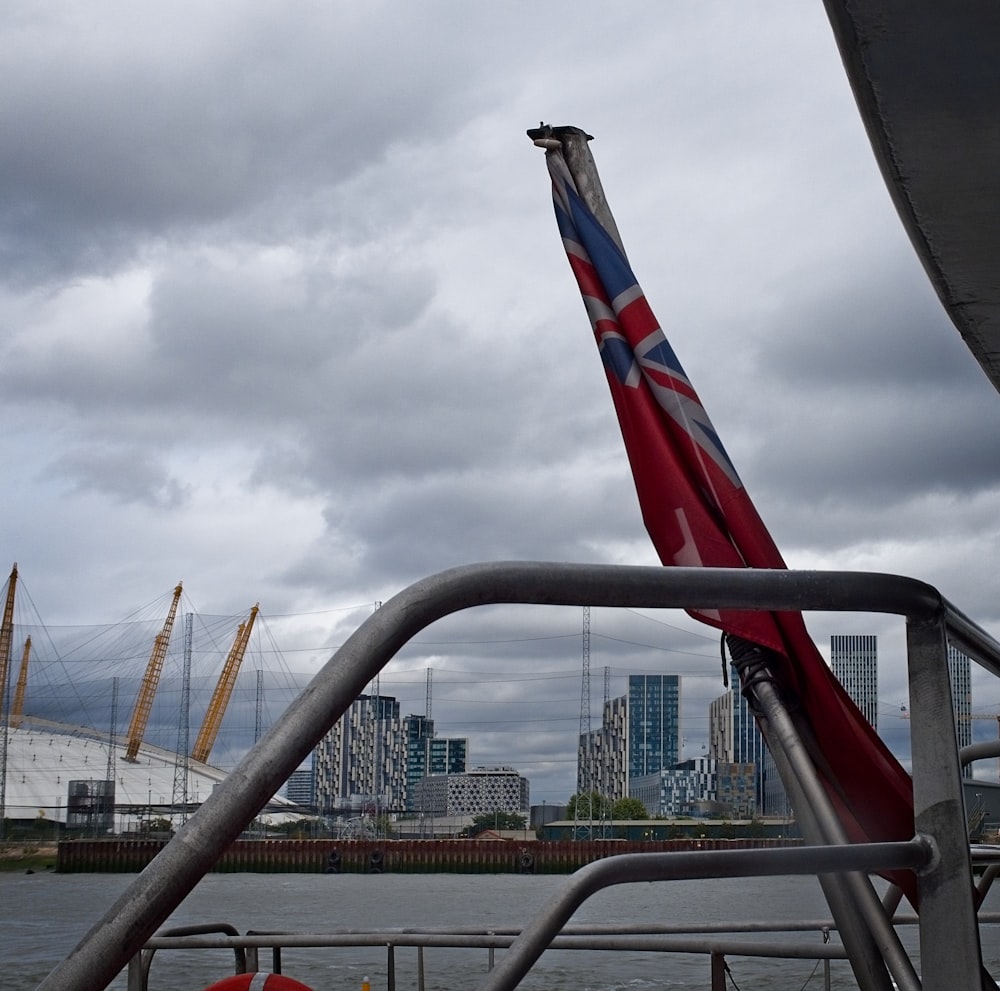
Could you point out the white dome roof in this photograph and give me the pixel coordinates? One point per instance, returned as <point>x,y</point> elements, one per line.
<point>44,757</point>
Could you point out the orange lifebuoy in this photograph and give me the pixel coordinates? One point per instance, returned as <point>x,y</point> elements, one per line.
<point>260,981</point>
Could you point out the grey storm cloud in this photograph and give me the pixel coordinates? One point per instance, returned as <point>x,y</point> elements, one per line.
<point>140,125</point>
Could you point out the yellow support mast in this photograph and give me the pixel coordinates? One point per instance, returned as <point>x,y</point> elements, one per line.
<point>223,691</point>
<point>6,639</point>
<point>17,709</point>
<point>144,703</point>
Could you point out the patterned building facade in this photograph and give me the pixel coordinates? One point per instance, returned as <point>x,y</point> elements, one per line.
<point>362,759</point>
<point>602,755</point>
<point>477,792</point>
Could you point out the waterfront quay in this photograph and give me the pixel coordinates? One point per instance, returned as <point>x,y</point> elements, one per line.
<point>330,856</point>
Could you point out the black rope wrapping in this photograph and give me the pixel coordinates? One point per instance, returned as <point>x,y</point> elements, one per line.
<point>753,663</point>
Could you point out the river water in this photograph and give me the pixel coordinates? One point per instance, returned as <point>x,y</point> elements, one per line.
<point>43,915</point>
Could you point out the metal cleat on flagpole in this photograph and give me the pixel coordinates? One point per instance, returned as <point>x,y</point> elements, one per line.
<point>571,142</point>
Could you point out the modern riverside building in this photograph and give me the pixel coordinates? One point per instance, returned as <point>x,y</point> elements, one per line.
<point>654,732</point>
<point>734,737</point>
<point>602,755</point>
<point>362,757</point>
<point>373,758</point>
<point>854,660</point>
<point>429,755</point>
<point>300,786</point>
<point>960,673</point>
<point>477,792</point>
<point>699,787</point>
<point>640,734</point>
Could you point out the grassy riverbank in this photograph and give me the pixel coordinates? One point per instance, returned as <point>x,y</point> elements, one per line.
<point>27,856</point>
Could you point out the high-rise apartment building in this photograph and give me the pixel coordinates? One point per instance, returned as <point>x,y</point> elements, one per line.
<point>299,788</point>
<point>640,734</point>
<point>602,756</point>
<point>654,732</point>
<point>373,757</point>
<point>362,759</point>
<point>960,674</point>
<point>854,660</point>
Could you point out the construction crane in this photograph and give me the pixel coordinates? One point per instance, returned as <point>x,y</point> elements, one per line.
<point>6,638</point>
<point>223,690</point>
<point>144,703</point>
<point>17,709</point>
<point>963,717</point>
<point>992,716</point>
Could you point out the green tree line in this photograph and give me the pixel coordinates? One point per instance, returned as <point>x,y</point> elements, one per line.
<point>590,805</point>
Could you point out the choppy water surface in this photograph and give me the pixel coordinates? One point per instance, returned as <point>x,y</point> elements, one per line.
<point>43,915</point>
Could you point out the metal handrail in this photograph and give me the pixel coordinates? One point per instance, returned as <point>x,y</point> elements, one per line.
<point>139,965</point>
<point>946,909</point>
<point>706,939</point>
<point>711,941</point>
<point>629,868</point>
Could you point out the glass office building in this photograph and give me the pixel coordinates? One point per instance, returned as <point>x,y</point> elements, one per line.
<point>654,732</point>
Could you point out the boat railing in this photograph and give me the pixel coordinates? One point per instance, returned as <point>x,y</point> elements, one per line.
<point>139,965</point>
<point>938,854</point>
<point>719,941</point>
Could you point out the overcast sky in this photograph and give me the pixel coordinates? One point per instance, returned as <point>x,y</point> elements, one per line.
<point>285,316</point>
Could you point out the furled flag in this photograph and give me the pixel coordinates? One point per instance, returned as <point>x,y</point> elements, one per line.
<point>694,504</point>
